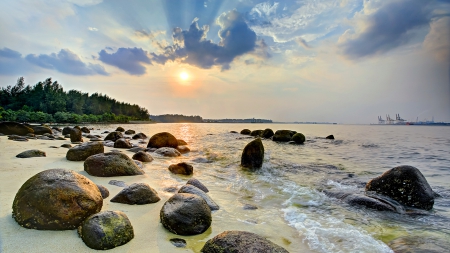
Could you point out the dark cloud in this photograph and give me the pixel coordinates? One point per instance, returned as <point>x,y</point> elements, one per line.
<point>128,59</point>
<point>12,63</point>
<point>388,27</point>
<point>65,62</point>
<point>192,47</point>
<point>9,53</point>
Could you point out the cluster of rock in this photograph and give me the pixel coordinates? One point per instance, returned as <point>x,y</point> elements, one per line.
<point>279,135</point>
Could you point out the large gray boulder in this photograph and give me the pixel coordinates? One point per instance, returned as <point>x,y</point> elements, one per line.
<point>106,230</point>
<point>405,184</point>
<point>253,154</point>
<point>194,190</point>
<point>56,199</point>
<point>186,214</point>
<point>111,164</point>
<point>83,151</point>
<point>282,135</point>
<point>31,153</point>
<point>240,242</point>
<point>161,140</point>
<point>9,127</point>
<point>137,194</point>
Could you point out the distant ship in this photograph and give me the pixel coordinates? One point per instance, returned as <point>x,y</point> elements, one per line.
<point>399,121</point>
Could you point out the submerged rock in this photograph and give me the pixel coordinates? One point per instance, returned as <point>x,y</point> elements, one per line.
<point>245,131</point>
<point>139,136</point>
<point>161,140</point>
<point>137,194</point>
<point>9,127</point>
<point>170,152</point>
<point>178,242</point>
<point>330,137</point>
<point>143,157</point>
<point>240,242</point>
<point>282,135</point>
<point>117,183</point>
<point>66,146</point>
<point>83,151</point>
<point>186,214</point>
<point>106,230</point>
<point>194,190</point>
<point>181,168</point>
<point>31,153</point>
<point>405,184</point>
<point>298,138</point>
<point>56,199</point>
<point>253,154</point>
<point>111,165</point>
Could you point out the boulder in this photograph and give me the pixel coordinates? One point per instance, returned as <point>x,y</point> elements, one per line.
<point>104,191</point>
<point>253,154</point>
<point>66,130</point>
<point>77,127</point>
<point>198,184</point>
<point>106,230</point>
<point>75,135</point>
<point>120,129</point>
<point>170,152</point>
<point>111,165</point>
<point>161,140</point>
<point>330,137</point>
<point>299,138</point>
<point>113,136</point>
<point>181,142</point>
<point>186,214</point>
<point>56,199</point>
<point>256,133</point>
<point>130,132</point>
<point>194,190</point>
<point>8,127</point>
<point>137,149</point>
<point>282,135</point>
<point>181,168</point>
<point>18,138</point>
<point>122,143</point>
<point>405,184</point>
<point>57,129</point>
<point>42,130</point>
<point>246,131</point>
<point>139,136</point>
<point>137,194</point>
<point>85,130</point>
<point>143,157</point>
<point>267,133</point>
<point>183,149</point>
<point>240,242</point>
<point>83,151</point>
<point>66,146</point>
<point>31,153</point>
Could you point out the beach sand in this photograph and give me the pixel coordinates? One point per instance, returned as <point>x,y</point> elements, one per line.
<point>150,235</point>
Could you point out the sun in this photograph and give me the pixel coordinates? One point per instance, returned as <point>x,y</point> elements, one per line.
<point>184,76</point>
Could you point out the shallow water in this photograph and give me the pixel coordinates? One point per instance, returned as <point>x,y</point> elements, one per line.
<point>288,190</point>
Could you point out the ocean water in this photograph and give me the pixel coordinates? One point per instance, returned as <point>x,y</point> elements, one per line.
<point>289,189</point>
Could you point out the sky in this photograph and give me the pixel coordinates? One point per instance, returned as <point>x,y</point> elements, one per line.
<point>344,61</point>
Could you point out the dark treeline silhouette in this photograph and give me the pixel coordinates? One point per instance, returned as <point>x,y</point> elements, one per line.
<point>49,98</point>
<point>176,118</point>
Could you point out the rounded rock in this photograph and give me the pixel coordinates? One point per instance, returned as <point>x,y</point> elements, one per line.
<point>137,194</point>
<point>298,138</point>
<point>31,153</point>
<point>83,151</point>
<point>143,157</point>
<point>113,136</point>
<point>161,140</point>
<point>122,143</point>
<point>245,131</point>
<point>110,165</point>
<point>253,154</point>
<point>181,168</point>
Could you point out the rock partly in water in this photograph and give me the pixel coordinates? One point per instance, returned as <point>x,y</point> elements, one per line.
<point>42,130</point>
<point>256,133</point>
<point>137,194</point>
<point>56,199</point>
<point>83,151</point>
<point>117,183</point>
<point>111,165</point>
<point>267,133</point>
<point>139,136</point>
<point>170,152</point>
<point>246,131</point>
<point>66,146</point>
<point>298,138</point>
<point>9,127</point>
<point>194,190</point>
<point>249,207</point>
<point>104,191</point>
<point>75,135</point>
<point>181,168</point>
<point>183,149</point>
<point>186,214</point>
<point>240,242</point>
<point>405,184</point>
<point>120,129</point>
<point>66,130</point>
<point>143,157</point>
<point>282,136</point>
<point>122,143</point>
<point>330,137</point>
<point>253,154</point>
<point>85,130</point>
<point>31,153</point>
<point>129,132</point>
<point>178,242</point>
<point>198,184</point>
<point>163,139</point>
<point>113,136</point>
<point>106,230</point>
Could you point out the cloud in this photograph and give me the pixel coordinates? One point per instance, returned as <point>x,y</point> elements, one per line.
<point>128,59</point>
<point>92,29</point>
<point>65,62</point>
<point>85,2</point>
<point>9,53</point>
<point>143,34</point>
<point>12,63</point>
<point>192,47</point>
<point>302,43</point>
<point>386,28</point>
<point>437,42</point>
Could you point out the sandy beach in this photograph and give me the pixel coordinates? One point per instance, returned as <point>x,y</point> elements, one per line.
<point>150,235</point>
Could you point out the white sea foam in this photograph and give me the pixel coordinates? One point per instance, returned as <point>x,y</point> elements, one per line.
<point>341,186</point>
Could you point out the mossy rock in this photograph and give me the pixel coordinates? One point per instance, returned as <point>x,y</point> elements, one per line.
<point>161,140</point>
<point>9,127</point>
<point>137,194</point>
<point>111,164</point>
<point>106,230</point>
<point>253,154</point>
<point>256,133</point>
<point>267,133</point>
<point>246,131</point>
<point>31,153</point>
<point>56,199</point>
<point>299,138</point>
<point>282,135</point>
<point>42,130</point>
<point>113,136</point>
<point>120,129</point>
<point>83,151</point>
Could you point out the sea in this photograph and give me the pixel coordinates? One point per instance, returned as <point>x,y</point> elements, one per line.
<point>289,190</point>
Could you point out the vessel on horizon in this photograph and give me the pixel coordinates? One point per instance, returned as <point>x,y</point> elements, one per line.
<point>399,121</point>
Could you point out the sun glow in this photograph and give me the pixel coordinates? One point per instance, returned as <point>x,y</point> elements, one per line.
<point>184,76</point>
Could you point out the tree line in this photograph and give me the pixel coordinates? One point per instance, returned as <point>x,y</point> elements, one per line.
<point>176,118</point>
<point>48,102</point>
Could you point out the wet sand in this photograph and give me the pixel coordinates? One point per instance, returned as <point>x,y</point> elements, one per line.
<point>150,235</point>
